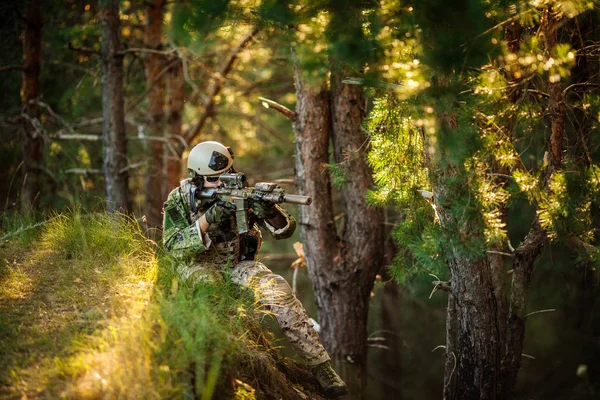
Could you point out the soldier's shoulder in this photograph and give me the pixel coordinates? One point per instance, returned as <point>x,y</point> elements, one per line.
<point>177,194</point>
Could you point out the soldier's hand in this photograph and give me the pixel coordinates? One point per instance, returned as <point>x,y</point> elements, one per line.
<point>264,209</point>
<point>220,211</point>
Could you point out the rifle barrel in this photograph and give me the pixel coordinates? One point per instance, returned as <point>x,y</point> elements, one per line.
<point>297,199</point>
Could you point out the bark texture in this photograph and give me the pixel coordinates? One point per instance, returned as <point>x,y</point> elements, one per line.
<point>362,241</point>
<point>342,261</point>
<point>155,181</point>
<point>451,351</point>
<point>116,175</point>
<point>478,352</point>
<point>174,113</point>
<point>32,136</point>
<point>490,338</point>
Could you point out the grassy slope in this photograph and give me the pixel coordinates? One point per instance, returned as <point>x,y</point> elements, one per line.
<point>88,310</point>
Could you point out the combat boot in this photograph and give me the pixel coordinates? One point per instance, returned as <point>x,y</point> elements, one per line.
<point>332,384</point>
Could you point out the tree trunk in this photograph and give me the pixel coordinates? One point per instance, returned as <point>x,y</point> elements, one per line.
<point>525,256</point>
<point>155,183</point>
<point>30,93</point>
<point>175,111</point>
<point>362,233</point>
<point>342,270</point>
<point>116,176</point>
<point>478,352</point>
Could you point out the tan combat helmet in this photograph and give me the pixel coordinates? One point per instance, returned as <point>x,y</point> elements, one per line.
<point>209,159</point>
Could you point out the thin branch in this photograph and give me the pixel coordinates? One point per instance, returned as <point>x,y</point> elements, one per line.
<point>502,253</point>
<point>97,138</point>
<point>378,346</point>
<point>39,129</point>
<point>79,136</point>
<point>53,114</point>
<point>83,171</point>
<point>11,68</point>
<point>505,22</point>
<point>26,228</point>
<point>142,96</point>
<point>586,84</point>
<point>186,75</point>
<point>144,50</point>
<point>441,285</point>
<point>84,50</point>
<point>291,115</point>
<point>441,346</point>
<point>539,312</point>
<point>216,86</point>
<point>132,166</point>
<point>538,92</point>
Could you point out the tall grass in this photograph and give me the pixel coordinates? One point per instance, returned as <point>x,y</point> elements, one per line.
<point>145,334</point>
<point>152,337</point>
<point>24,227</point>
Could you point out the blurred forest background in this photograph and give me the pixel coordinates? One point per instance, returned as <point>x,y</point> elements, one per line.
<point>451,149</point>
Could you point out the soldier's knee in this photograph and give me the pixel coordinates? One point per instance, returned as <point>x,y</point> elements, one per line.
<point>278,290</point>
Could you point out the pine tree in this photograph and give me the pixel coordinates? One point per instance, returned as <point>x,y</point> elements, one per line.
<point>478,91</point>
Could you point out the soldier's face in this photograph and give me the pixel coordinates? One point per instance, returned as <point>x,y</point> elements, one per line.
<point>211,181</point>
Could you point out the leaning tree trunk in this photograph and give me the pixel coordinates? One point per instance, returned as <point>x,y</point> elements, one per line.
<point>155,180</point>
<point>116,176</point>
<point>30,93</point>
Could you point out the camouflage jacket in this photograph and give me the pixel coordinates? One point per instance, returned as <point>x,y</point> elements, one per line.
<point>221,242</point>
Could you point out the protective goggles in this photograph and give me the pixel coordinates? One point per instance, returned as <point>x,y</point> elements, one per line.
<point>212,178</point>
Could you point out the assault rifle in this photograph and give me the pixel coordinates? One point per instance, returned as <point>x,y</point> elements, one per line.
<point>234,188</point>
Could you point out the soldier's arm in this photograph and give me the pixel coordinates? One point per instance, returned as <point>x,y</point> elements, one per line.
<point>281,226</point>
<point>182,239</point>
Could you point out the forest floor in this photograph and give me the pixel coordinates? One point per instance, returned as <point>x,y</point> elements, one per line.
<point>83,318</point>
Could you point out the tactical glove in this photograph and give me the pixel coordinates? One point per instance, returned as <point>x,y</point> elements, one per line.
<point>220,211</point>
<point>264,209</point>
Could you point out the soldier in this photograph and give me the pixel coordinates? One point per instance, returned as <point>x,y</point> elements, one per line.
<point>203,236</point>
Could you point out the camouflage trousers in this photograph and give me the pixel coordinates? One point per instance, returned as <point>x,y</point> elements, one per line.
<point>274,293</point>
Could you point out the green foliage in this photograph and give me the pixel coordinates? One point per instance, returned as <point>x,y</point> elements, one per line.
<point>337,174</point>
<point>450,33</point>
<point>146,333</point>
<point>95,238</point>
<point>200,331</point>
<point>352,32</point>
<point>397,153</point>
<point>567,210</point>
<point>24,227</point>
<point>278,12</point>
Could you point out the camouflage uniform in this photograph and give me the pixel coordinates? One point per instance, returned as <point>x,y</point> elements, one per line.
<point>203,256</point>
